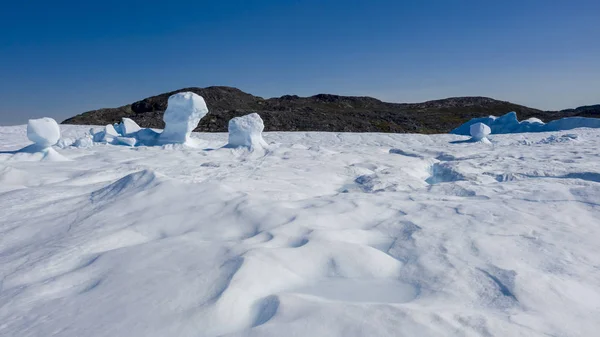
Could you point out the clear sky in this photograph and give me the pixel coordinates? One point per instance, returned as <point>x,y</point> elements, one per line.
<point>60,58</point>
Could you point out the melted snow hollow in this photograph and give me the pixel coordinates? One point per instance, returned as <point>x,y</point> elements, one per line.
<point>320,234</point>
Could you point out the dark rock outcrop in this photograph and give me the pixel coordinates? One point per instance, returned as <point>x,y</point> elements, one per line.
<point>325,112</point>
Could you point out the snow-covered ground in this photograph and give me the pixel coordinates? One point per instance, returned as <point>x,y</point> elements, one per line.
<point>322,234</point>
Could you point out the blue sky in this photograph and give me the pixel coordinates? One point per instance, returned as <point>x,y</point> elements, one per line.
<point>60,58</point>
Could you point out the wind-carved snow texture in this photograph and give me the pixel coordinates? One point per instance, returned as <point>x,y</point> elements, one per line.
<point>325,234</point>
<point>510,124</point>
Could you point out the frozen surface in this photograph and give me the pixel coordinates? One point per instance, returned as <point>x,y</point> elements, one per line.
<point>43,131</point>
<point>325,234</point>
<point>184,112</point>
<point>246,131</point>
<point>510,124</point>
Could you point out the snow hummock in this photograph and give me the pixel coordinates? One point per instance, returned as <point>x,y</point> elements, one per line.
<point>184,112</point>
<point>510,124</point>
<point>479,132</point>
<point>326,234</point>
<point>246,131</point>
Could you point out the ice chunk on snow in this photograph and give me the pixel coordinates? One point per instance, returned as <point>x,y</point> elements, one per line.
<point>510,124</point>
<point>65,142</point>
<point>83,142</point>
<point>44,132</point>
<point>572,123</point>
<point>147,137</point>
<point>246,131</point>
<point>108,135</point>
<point>129,141</point>
<point>184,112</point>
<point>533,120</point>
<point>127,127</point>
<point>480,131</point>
<point>109,130</point>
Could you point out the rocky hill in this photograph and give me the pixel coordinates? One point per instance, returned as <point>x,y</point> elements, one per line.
<point>325,112</point>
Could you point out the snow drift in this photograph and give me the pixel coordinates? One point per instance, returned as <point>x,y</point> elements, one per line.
<point>510,124</point>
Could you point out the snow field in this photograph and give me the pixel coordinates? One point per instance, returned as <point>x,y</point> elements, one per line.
<point>325,234</point>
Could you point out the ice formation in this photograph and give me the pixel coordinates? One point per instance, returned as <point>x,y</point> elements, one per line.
<point>510,124</point>
<point>65,142</point>
<point>127,127</point>
<point>107,135</point>
<point>480,131</point>
<point>128,141</point>
<point>246,131</point>
<point>83,142</point>
<point>184,112</point>
<point>124,133</point>
<point>44,132</point>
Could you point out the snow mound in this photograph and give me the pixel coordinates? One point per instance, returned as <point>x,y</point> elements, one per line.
<point>479,131</point>
<point>369,291</point>
<point>510,124</point>
<point>246,131</point>
<point>554,139</point>
<point>35,152</point>
<point>128,185</point>
<point>184,112</point>
<point>43,131</point>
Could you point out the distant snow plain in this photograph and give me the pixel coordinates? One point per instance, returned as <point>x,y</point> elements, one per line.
<point>320,234</point>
